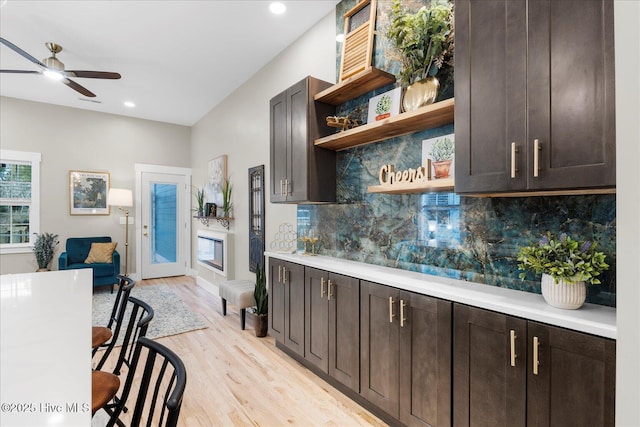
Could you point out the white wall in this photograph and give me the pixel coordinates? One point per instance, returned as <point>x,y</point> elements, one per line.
<point>239,128</point>
<point>627,36</point>
<point>74,139</point>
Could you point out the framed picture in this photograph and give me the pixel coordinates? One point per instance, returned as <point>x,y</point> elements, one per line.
<point>88,193</point>
<point>440,152</point>
<point>384,105</point>
<point>216,174</point>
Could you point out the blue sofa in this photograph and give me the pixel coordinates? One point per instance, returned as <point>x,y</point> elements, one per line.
<point>77,250</point>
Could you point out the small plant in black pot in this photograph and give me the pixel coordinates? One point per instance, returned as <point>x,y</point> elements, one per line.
<point>261,296</point>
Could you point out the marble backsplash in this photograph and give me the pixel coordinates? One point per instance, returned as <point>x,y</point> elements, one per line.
<point>444,234</point>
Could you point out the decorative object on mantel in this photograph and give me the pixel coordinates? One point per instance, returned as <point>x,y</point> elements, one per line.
<point>425,41</point>
<point>199,195</point>
<point>216,174</point>
<point>440,151</point>
<point>227,204</point>
<point>565,265</point>
<point>343,123</point>
<point>43,248</point>
<point>285,240</point>
<point>261,295</point>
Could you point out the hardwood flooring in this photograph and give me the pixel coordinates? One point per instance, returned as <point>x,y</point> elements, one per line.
<point>236,379</point>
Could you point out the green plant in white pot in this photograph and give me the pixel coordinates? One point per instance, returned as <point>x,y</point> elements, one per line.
<point>566,265</point>
<point>424,40</point>
<point>227,192</point>
<point>44,247</point>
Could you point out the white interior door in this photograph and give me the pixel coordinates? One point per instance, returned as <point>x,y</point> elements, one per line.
<point>163,229</point>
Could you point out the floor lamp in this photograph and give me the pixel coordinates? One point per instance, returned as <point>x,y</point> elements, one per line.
<point>122,198</point>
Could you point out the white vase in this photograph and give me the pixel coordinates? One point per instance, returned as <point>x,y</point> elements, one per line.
<point>568,296</point>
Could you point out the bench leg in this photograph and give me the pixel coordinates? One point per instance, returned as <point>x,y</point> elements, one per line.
<point>242,313</point>
<point>224,307</point>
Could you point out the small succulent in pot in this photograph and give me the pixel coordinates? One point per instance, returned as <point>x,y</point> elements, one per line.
<point>199,195</point>
<point>44,247</point>
<point>563,258</point>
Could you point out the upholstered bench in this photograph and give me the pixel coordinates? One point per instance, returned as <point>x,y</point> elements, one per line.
<point>238,293</point>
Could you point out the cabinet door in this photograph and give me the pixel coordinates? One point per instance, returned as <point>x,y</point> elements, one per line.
<point>299,144</point>
<point>487,389</point>
<point>379,353</point>
<point>490,93</point>
<point>425,360</point>
<point>316,337</point>
<point>344,330</point>
<point>571,93</point>
<point>277,292</point>
<point>575,380</point>
<point>278,146</point>
<point>294,307</point>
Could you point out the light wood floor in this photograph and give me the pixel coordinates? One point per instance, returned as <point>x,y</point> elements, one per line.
<point>236,379</point>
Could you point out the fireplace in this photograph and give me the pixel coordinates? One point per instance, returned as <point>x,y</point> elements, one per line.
<point>212,251</point>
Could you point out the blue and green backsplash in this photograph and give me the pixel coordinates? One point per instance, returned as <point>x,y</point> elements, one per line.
<point>444,234</point>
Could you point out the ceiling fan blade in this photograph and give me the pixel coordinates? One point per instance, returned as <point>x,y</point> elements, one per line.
<point>93,74</point>
<point>79,88</point>
<point>20,72</point>
<point>21,52</point>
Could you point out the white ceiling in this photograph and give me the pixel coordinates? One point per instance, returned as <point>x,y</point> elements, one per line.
<point>178,59</point>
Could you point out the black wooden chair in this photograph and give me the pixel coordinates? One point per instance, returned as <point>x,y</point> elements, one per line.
<point>105,337</point>
<point>160,387</point>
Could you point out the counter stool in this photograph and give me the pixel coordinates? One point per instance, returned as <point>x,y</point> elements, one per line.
<point>238,293</point>
<point>104,386</point>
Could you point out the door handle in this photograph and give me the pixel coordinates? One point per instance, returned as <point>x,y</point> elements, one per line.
<point>145,234</point>
<point>322,287</point>
<point>329,290</point>
<point>402,318</point>
<point>536,360</point>
<point>391,315</point>
<point>512,339</point>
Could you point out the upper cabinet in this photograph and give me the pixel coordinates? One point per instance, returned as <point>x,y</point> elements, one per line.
<point>300,171</point>
<point>534,89</point>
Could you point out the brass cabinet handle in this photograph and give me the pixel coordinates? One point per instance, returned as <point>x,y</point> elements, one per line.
<point>536,157</point>
<point>402,318</point>
<point>536,361</point>
<point>322,287</point>
<point>329,290</point>
<point>284,275</point>
<point>286,186</point>
<point>279,274</point>
<point>281,188</point>
<point>391,315</point>
<point>512,339</point>
<point>514,150</point>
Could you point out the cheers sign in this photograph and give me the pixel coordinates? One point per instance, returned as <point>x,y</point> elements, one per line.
<point>388,175</point>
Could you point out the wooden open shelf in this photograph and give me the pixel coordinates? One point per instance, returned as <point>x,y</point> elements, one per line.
<point>443,184</point>
<point>427,117</point>
<point>363,82</point>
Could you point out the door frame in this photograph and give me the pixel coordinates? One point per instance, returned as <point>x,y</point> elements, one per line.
<point>141,168</point>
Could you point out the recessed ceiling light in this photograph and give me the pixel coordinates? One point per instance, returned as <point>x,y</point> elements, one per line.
<point>277,8</point>
<point>129,104</point>
<point>340,38</point>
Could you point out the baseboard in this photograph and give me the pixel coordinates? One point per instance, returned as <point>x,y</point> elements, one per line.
<point>207,286</point>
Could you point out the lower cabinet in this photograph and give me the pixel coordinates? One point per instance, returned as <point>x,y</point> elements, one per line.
<point>286,299</point>
<point>332,325</point>
<point>405,355</point>
<point>509,371</point>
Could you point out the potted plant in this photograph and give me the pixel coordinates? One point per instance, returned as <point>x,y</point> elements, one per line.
<point>442,153</point>
<point>425,42</point>
<point>260,319</point>
<point>44,246</point>
<point>565,265</point>
<point>227,205</point>
<point>199,195</point>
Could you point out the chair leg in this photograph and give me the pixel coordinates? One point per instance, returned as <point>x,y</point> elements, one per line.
<point>224,307</point>
<point>243,311</point>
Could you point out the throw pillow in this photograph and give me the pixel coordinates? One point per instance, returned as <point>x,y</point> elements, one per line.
<point>101,253</point>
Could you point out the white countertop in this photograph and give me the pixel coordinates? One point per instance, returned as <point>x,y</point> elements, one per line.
<point>45,348</point>
<point>590,318</point>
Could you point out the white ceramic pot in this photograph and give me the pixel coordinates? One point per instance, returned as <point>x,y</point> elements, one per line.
<point>568,296</point>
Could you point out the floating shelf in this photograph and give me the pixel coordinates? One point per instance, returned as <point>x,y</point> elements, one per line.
<point>363,82</point>
<point>222,220</point>
<point>443,184</point>
<point>427,117</point>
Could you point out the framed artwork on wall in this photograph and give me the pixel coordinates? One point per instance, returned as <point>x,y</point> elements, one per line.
<point>88,193</point>
<point>216,175</point>
<point>438,153</point>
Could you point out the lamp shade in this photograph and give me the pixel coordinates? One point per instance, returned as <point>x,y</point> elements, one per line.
<point>120,197</point>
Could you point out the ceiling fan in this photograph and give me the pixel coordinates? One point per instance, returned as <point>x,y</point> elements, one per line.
<point>53,68</point>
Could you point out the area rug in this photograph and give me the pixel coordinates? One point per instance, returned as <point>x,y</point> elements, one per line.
<point>171,314</point>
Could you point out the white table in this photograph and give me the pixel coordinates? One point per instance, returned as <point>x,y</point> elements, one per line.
<point>45,350</point>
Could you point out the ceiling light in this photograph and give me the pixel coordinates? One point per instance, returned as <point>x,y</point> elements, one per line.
<point>129,104</point>
<point>340,38</point>
<point>277,8</point>
<point>53,75</point>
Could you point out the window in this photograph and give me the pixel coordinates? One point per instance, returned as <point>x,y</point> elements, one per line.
<point>19,200</point>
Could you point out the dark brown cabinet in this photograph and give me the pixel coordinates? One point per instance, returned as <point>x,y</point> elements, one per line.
<point>300,171</point>
<point>332,325</point>
<point>286,299</point>
<point>513,372</point>
<point>406,354</point>
<point>534,90</point>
